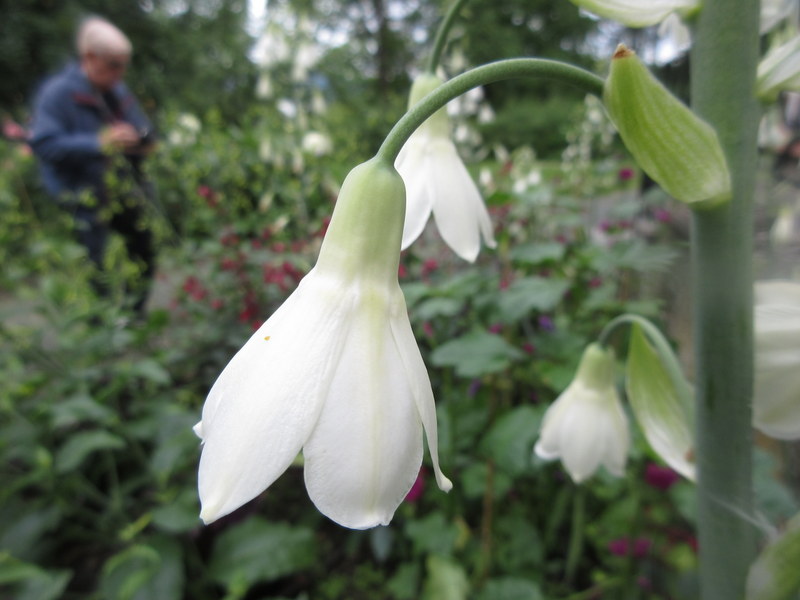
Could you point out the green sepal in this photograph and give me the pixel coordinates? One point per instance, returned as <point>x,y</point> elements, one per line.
<point>775,575</point>
<point>661,400</point>
<point>680,151</point>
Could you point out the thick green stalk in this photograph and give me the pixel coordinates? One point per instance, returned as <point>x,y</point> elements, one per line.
<point>723,60</point>
<point>441,35</point>
<point>513,68</point>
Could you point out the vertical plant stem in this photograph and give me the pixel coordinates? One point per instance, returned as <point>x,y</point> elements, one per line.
<point>723,63</point>
<point>575,550</point>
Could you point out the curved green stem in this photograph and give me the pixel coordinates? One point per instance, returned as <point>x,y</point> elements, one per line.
<point>660,343</point>
<point>505,69</point>
<point>575,550</point>
<point>441,35</point>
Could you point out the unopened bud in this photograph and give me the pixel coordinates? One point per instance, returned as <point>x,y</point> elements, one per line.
<point>680,151</point>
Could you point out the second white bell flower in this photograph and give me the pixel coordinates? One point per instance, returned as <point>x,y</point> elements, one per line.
<point>334,372</point>
<point>586,426</point>
<point>776,401</point>
<point>438,182</point>
<point>638,13</point>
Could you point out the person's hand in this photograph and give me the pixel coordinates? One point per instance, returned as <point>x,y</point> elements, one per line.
<point>118,137</point>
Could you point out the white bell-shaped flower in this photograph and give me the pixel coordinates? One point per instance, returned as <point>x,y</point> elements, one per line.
<point>437,181</point>
<point>334,372</point>
<point>586,426</point>
<point>638,13</point>
<point>776,401</point>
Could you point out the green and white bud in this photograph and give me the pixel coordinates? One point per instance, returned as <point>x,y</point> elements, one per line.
<point>680,151</point>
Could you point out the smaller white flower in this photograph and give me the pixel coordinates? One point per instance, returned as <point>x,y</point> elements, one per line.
<point>776,402</point>
<point>437,181</point>
<point>775,11</point>
<point>316,144</point>
<point>779,70</point>
<point>638,13</point>
<point>586,426</point>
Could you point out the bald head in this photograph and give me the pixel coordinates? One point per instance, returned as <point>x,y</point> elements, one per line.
<point>98,36</point>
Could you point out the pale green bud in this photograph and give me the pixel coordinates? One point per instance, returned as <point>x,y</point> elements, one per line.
<point>680,151</point>
<point>439,122</point>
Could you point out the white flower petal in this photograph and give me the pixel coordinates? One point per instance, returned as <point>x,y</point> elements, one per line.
<point>586,427</point>
<point>637,13</point>
<point>458,208</point>
<point>776,401</point>
<point>417,376</point>
<point>412,165</point>
<point>265,403</point>
<point>366,450</point>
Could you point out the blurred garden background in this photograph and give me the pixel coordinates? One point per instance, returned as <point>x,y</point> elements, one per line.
<point>261,108</point>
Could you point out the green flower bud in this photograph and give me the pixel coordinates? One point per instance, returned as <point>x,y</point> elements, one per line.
<point>674,146</point>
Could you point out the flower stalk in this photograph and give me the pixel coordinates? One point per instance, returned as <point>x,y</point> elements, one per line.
<point>724,59</point>
<point>514,68</point>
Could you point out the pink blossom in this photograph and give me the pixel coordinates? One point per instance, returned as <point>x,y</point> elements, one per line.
<point>661,478</point>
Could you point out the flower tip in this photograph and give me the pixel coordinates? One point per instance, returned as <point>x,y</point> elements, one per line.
<point>198,429</point>
<point>443,482</point>
<point>208,515</point>
<point>622,51</point>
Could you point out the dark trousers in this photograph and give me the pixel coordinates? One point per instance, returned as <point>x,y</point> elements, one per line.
<point>125,218</point>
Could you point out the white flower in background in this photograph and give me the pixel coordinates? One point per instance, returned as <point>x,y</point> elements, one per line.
<point>586,426</point>
<point>287,108</point>
<point>264,89</point>
<point>187,126</point>
<point>775,11</point>
<point>316,143</point>
<point>638,13</point>
<point>318,104</point>
<point>776,401</point>
<point>305,57</point>
<point>674,36</point>
<point>334,372</point>
<point>779,70</point>
<point>438,182</point>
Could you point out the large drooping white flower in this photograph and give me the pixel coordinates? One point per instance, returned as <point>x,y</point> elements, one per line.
<point>334,372</point>
<point>776,401</point>
<point>586,426</point>
<point>437,181</point>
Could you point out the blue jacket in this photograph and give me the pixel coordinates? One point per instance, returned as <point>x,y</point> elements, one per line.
<point>67,117</point>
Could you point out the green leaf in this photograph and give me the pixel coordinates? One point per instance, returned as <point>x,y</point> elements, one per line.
<point>81,408</point>
<point>511,588</point>
<point>660,404</point>
<point>775,574</point>
<point>510,440</point>
<point>257,550</point>
<point>29,581</point>
<point>535,254</point>
<point>80,445</point>
<point>151,370</point>
<point>145,571</point>
<point>437,307</point>
<point>432,535</point>
<point>529,294</point>
<point>446,580</point>
<point>179,515</point>
<point>476,354</point>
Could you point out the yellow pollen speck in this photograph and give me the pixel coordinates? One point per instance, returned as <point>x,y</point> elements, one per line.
<point>266,338</point>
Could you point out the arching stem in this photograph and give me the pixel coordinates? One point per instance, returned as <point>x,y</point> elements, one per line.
<point>515,68</point>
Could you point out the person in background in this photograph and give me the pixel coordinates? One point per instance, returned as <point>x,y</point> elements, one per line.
<point>90,137</point>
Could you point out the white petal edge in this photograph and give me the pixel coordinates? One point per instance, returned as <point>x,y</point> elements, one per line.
<point>417,375</point>
<point>366,450</point>
<point>265,403</point>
